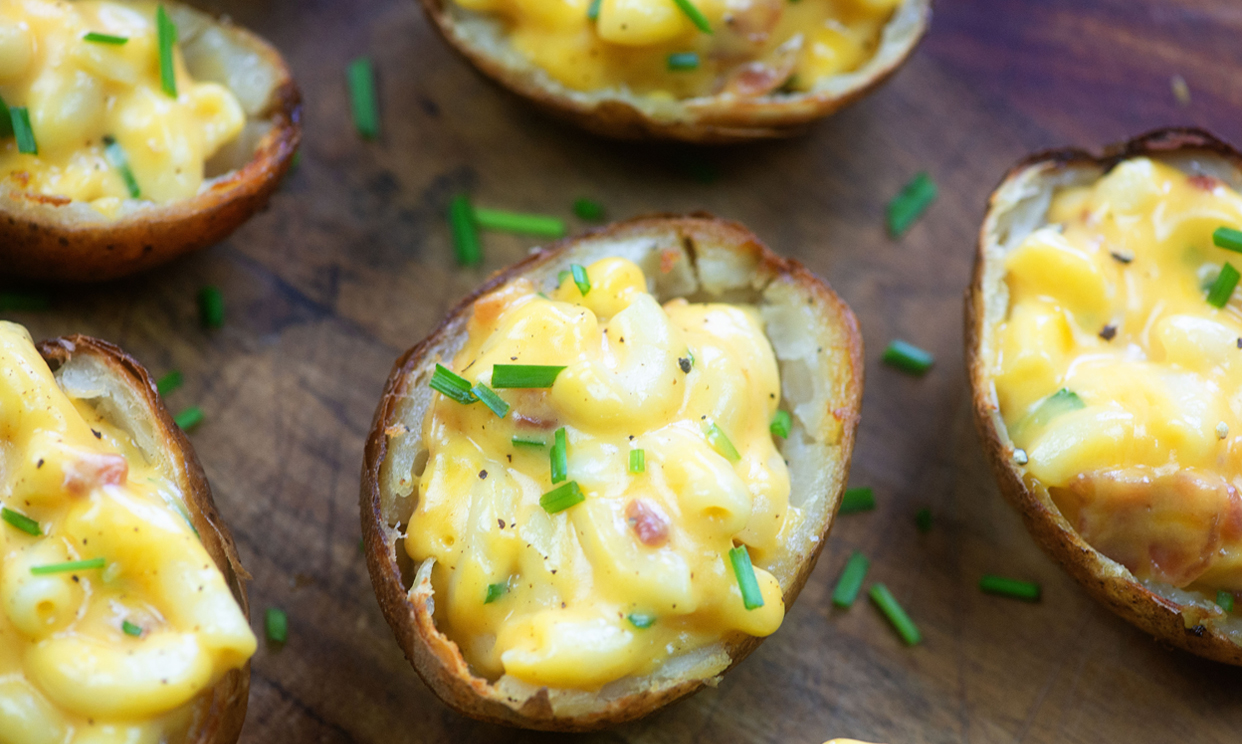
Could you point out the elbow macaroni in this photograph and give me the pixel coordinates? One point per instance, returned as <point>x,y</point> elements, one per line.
<point>68,671</point>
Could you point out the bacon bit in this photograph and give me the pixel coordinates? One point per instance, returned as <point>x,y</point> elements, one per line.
<point>90,471</point>
<point>761,78</point>
<point>648,522</point>
<point>757,20</point>
<point>21,178</point>
<point>1205,183</point>
<point>49,199</point>
<point>532,422</point>
<point>668,259</point>
<point>396,430</point>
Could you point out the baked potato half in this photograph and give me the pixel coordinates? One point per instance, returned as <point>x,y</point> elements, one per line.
<point>1146,512</point>
<point>816,345</point>
<point>752,100</point>
<point>112,388</point>
<point>45,235</point>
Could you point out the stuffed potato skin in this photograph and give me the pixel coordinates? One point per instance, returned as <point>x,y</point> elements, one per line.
<point>405,592</point>
<point>1185,626</point>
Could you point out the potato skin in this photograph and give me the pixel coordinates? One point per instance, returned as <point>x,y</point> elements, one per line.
<point>219,712</point>
<point>435,657</point>
<point>1104,579</point>
<point>40,240</point>
<point>712,120</point>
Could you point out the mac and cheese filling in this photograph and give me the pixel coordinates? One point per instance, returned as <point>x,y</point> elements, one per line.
<point>87,77</point>
<point>588,534</point>
<point>746,48</point>
<point>1119,370</point>
<point>113,617</point>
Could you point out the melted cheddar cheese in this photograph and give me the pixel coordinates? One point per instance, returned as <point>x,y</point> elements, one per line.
<point>639,571</point>
<point>81,94</point>
<point>1119,380</point>
<point>111,655</point>
<point>755,47</point>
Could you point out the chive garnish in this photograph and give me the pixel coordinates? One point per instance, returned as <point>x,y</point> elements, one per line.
<point>524,375</point>
<point>1228,238</point>
<point>721,443</point>
<point>167,31</point>
<point>495,592</point>
<point>593,10</point>
<point>856,500</point>
<point>640,620</point>
<point>189,418</point>
<point>581,279</point>
<point>24,301</point>
<point>902,623</point>
<point>683,61</point>
<point>561,276</point>
<point>490,399</point>
<point>211,307</point>
<point>1062,401</point>
<point>98,38</point>
<point>696,16</point>
<point>169,382</point>
<point>752,597</point>
<point>19,118</point>
<point>515,222</point>
<point>1027,590</point>
<point>525,442</point>
<point>361,75</point>
<point>910,204</point>
<point>562,497</point>
<point>1225,600</point>
<point>559,456</point>
<point>908,357</point>
<point>466,244</point>
<point>130,629</point>
<point>117,159</point>
<point>56,568</point>
<point>1222,288</point>
<point>851,580</point>
<point>20,521</point>
<point>276,623</point>
<point>586,209</point>
<point>6,119</point>
<point>447,383</point>
<point>923,520</point>
<point>782,424</point>
<point>638,461</point>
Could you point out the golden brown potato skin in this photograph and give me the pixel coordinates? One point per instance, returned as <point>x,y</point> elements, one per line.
<point>1103,578</point>
<point>713,120</point>
<point>39,240</point>
<point>220,711</point>
<point>436,658</point>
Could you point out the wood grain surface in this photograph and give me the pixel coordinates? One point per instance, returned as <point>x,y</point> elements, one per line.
<point>352,264</point>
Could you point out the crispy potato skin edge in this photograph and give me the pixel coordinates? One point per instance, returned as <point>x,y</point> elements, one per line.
<point>1124,596</point>
<point>220,712</point>
<point>744,121</point>
<point>441,666</point>
<point>37,244</point>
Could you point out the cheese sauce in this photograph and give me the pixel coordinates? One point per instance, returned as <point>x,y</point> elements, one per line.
<point>755,46</point>
<point>82,94</point>
<point>640,570</point>
<point>96,655</point>
<point>1119,380</point>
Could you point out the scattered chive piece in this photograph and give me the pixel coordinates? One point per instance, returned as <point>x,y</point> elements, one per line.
<point>526,224</point>
<point>562,497</point>
<point>851,580</point>
<point>490,399</point>
<point>362,96</point>
<point>1228,238</point>
<point>640,620</point>
<point>446,382</point>
<point>580,278</point>
<point>117,158</point>
<point>189,418</point>
<point>524,375</point>
<point>696,16</point>
<point>908,358</point>
<point>752,597</point>
<point>721,443</point>
<point>1222,288</point>
<point>593,10</point>
<point>586,209</point>
<point>923,520</point>
<point>782,424</point>
<point>857,500</point>
<point>130,629</point>
<point>910,204</point>
<point>1225,600</point>
<point>211,307</point>
<point>19,118</point>
<point>167,39</point>
<point>495,592</point>
<point>638,461</point>
<point>24,301</point>
<point>466,245</point>
<point>6,119</point>
<point>683,61</point>
<point>99,38</point>
<point>20,521</point>
<point>524,442</point>
<point>169,382</point>
<point>902,623</point>
<point>56,568</point>
<point>1062,401</point>
<point>276,623</point>
<point>560,462</point>
<point>1027,590</point>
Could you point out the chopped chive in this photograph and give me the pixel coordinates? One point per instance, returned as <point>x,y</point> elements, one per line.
<point>495,592</point>
<point>490,399</point>
<point>189,418</point>
<point>1027,590</point>
<point>561,276</point>
<point>98,38</point>
<point>24,301</point>
<point>6,119</point>
<point>593,10</point>
<point>466,245</point>
<point>20,521</point>
<point>169,382</point>
<point>683,61</point>
<point>910,204</point>
<point>19,118</point>
<point>908,357</point>
<point>524,375</point>
<point>562,497</point>
<point>1222,288</point>
<point>1062,401</point>
<point>559,456</point>
<point>361,74</point>
<point>167,39</point>
<point>851,580</point>
<point>717,438</point>
<point>447,383</point>
<point>117,159</point>
<point>640,620</point>
<point>211,307</point>
<point>526,224</point>
<point>752,597</point>
<point>524,442</point>
<point>56,568</point>
<point>923,520</point>
<point>587,209</point>
<point>1228,238</point>
<point>902,623</point>
<point>1225,600</point>
<point>856,500</point>
<point>580,278</point>
<point>638,461</point>
<point>782,424</point>
<point>696,16</point>
<point>130,629</point>
<point>276,624</point>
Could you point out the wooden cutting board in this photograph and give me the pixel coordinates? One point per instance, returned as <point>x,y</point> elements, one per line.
<point>352,264</point>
